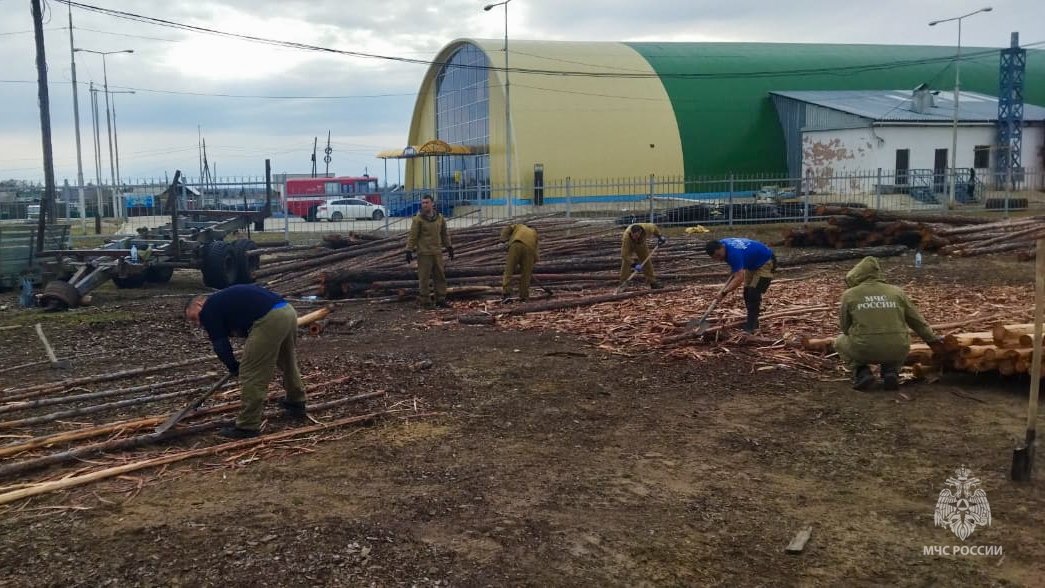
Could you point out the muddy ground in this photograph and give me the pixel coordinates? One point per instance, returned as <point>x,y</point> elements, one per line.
<point>549,463</point>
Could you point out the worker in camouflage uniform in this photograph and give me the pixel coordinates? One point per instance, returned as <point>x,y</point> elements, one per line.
<point>635,252</point>
<point>521,242</point>
<point>428,238</point>
<point>874,318</point>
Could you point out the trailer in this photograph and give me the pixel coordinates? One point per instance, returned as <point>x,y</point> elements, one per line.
<point>196,239</point>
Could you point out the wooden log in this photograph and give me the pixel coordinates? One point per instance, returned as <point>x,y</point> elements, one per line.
<point>1014,331</point>
<point>125,443</point>
<point>73,481</point>
<point>1027,340</point>
<point>976,351</point>
<point>1007,367</point>
<point>956,341</point>
<point>315,315</point>
<point>822,345</point>
<point>41,389</point>
<point>41,402</point>
<point>582,301</point>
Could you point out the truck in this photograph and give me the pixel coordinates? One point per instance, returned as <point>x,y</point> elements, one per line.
<point>196,239</point>
<point>305,195</point>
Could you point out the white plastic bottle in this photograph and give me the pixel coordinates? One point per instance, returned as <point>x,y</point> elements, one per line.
<point>918,260</point>
<point>134,254</point>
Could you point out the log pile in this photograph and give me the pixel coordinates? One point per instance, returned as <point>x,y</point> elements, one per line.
<point>575,256</point>
<point>960,236</point>
<point>1005,349</point>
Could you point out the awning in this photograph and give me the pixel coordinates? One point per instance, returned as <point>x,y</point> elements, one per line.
<point>433,148</point>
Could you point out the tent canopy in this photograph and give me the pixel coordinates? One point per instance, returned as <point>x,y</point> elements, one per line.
<point>432,148</point>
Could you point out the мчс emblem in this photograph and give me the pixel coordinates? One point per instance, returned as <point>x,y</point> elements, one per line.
<point>963,506</point>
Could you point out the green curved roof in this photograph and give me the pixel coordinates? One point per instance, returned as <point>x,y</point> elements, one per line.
<point>726,118</point>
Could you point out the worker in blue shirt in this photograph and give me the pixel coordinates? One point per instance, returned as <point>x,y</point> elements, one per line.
<point>270,326</point>
<point>752,264</point>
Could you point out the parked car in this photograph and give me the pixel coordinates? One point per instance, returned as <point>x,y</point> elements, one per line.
<point>349,208</point>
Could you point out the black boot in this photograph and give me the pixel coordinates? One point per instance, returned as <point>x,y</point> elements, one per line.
<point>753,304</point>
<point>233,432</point>
<point>863,378</point>
<point>294,410</point>
<point>890,377</point>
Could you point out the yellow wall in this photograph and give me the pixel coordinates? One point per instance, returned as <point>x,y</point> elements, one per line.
<point>581,127</point>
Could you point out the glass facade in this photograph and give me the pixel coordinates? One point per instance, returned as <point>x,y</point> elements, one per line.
<point>462,107</point>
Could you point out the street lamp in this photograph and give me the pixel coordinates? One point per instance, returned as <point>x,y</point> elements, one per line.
<point>108,120</point>
<point>957,84</point>
<point>507,105</point>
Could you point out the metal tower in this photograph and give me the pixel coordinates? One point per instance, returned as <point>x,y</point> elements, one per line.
<point>1008,158</point>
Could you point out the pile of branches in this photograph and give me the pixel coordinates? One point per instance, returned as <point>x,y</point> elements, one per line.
<point>956,235</point>
<point>575,256</point>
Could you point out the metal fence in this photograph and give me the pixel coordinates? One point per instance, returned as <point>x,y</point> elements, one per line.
<point>731,199</point>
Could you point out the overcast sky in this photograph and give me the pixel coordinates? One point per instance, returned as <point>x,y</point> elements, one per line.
<point>286,97</point>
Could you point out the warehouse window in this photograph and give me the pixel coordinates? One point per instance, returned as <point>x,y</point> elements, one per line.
<point>981,156</point>
<point>462,118</point>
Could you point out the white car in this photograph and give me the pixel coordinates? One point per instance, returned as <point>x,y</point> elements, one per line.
<point>350,208</point>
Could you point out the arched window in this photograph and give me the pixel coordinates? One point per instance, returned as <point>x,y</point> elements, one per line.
<point>462,118</point>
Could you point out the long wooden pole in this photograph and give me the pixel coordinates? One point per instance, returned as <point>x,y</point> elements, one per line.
<point>1035,375</point>
<point>73,481</point>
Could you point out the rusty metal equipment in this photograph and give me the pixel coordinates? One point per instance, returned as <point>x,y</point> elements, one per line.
<point>191,240</point>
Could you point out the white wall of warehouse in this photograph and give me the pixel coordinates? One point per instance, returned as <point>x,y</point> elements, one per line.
<point>864,150</point>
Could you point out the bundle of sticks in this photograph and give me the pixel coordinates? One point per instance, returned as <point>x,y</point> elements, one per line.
<point>956,235</point>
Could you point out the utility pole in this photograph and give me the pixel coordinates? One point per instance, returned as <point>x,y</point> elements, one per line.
<point>315,143</point>
<point>47,207</point>
<point>326,158</point>
<point>76,125</point>
<point>100,206</point>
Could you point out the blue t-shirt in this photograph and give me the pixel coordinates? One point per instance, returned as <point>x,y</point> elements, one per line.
<point>232,312</point>
<point>746,254</point>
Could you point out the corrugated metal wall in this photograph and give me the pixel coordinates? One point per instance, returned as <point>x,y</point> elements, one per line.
<point>796,116</point>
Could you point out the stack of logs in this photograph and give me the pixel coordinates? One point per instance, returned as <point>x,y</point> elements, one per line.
<point>575,256</point>
<point>1006,349</point>
<point>961,236</point>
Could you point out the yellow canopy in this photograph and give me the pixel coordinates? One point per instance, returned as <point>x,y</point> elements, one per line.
<point>432,148</point>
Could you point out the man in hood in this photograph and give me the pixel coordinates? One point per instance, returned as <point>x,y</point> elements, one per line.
<point>875,317</point>
<point>428,238</point>
<point>521,242</point>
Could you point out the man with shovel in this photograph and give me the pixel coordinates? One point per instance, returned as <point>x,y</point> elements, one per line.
<point>270,326</point>
<point>635,253</point>
<point>752,264</point>
<point>874,319</point>
<point>521,242</point>
<point>428,238</point>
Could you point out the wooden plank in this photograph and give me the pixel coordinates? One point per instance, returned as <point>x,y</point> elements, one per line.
<point>799,542</point>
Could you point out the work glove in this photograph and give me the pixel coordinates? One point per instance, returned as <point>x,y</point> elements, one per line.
<point>937,349</point>
<point>661,240</point>
<point>450,253</point>
<point>409,257</point>
<point>636,267</point>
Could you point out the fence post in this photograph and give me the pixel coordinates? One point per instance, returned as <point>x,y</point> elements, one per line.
<point>569,198</point>
<point>651,198</point>
<point>805,202</point>
<point>730,201</point>
<point>878,191</point>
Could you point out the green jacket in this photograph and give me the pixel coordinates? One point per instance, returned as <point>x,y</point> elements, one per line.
<point>875,315</point>
<point>428,235</point>
<point>520,234</point>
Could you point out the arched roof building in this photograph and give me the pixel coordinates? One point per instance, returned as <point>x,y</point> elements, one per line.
<point>600,109</point>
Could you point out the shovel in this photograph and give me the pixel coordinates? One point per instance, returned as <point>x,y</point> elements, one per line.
<point>702,323</point>
<point>174,418</point>
<point>55,362</point>
<point>1023,457</point>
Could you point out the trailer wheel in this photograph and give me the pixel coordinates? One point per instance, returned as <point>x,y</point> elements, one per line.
<point>219,266</point>
<point>245,264</point>
<point>60,295</point>
<point>135,281</point>
<point>159,274</point>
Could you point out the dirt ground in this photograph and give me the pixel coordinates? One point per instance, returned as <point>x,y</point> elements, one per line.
<point>548,463</point>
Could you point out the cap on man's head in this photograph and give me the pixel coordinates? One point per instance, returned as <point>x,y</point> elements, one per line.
<point>712,246</point>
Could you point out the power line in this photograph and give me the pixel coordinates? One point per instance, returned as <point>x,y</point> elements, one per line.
<point>223,95</point>
<point>835,71</point>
